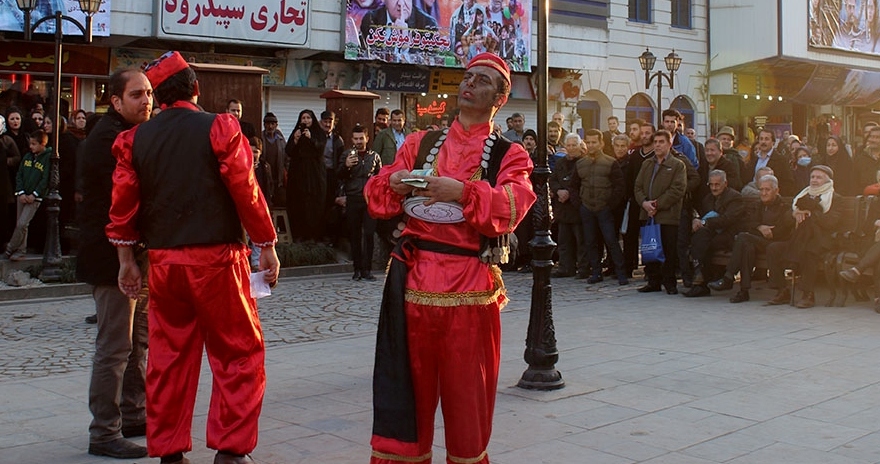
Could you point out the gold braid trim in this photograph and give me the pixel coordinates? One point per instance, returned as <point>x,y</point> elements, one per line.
<point>458,460</point>
<point>399,458</point>
<point>510,200</point>
<point>452,299</point>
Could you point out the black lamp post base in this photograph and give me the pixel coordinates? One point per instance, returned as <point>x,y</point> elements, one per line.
<point>541,379</point>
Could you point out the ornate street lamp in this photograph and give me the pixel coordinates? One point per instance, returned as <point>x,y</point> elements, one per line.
<point>541,353</point>
<point>52,251</point>
<point>647,61</point>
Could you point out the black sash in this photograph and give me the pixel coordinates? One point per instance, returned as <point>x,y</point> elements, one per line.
<point>394,404</point>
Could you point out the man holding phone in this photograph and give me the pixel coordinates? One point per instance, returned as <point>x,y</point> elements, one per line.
<point>357,165</point>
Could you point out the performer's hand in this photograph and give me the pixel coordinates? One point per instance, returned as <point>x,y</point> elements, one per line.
<point>130,279</point>
<point>394,181</point>
<point>442,189</point>
<point>269,262</point>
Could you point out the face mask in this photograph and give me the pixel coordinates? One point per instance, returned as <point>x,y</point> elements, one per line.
<point>804,161</point>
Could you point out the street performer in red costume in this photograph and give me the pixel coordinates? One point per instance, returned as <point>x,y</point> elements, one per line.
<point>439,326</point>
<point>184,184</point>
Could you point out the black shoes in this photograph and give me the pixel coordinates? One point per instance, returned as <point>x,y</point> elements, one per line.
<point>119,448</point>
<point>697,291</point>
<point>594,279</point>
<point>560,274</point>
<point>724,283</point>
<point>622,281</point>
<point>134,430</point>
<point>742,295</point>
<point>368,276</point>
<point>582,275</point>
<point>356,276</point>
<point>649,288</point>
<point>671,290</point>
<point>93,319</point>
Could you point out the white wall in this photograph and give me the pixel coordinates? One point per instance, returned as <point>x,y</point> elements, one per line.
<point>743,31</point>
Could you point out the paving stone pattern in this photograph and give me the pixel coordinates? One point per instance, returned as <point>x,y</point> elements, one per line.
<point>45,337</point>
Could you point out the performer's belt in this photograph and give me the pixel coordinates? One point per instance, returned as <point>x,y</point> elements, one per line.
<point>437,247</point>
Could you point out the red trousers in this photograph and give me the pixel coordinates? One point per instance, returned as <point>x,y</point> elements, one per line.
<point>200,296</point>
<point>454,352</point>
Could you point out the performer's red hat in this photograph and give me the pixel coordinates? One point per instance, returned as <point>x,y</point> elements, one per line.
<point>164,67</point>
<point>493,61</point>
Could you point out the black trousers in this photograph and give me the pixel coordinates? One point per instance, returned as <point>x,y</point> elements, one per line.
<point>664,273</point>
<point>704,243</point>
<point>778,262</point>
<point>360,232</point>
<point>744,256</point>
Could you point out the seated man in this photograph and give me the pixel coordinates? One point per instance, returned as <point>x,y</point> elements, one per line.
<point>751,189</point>
<point>772,222</point>
<point>871,258</point>
<point>816,215</point>
<point>714,229</point>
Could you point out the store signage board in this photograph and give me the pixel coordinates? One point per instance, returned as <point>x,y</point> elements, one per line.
<point>279,22</point>
<point>12,19</point>
<point>845,25</point>
<point>445,33</point>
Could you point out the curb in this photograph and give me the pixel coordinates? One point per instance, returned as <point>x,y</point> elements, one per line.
<point>77,289</point>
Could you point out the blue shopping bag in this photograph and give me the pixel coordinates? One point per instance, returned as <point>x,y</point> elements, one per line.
<point>651,247</point>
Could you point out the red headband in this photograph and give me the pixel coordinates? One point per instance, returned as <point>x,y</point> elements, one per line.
<point>493,61</point>
<point>164,67</point>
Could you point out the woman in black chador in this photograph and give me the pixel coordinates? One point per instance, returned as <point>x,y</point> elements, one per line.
<point>307,180</point>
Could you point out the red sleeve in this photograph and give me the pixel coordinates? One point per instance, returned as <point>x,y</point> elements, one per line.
<point>237,171</point>
<point>382,202</point>
<point>494,211</point>
<point>126,198</point>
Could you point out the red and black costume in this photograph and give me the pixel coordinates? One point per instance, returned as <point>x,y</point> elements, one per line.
<point>451,300</point>
<point>184,185</point>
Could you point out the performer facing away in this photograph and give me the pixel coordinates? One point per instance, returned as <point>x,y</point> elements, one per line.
<point>439,328</point>
<point>184,184</point>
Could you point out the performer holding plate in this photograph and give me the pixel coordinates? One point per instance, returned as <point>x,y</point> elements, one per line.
<point>439,329</point>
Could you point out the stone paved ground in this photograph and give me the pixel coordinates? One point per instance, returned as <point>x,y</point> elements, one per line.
<point>650,379</point>
<point>45,337</point>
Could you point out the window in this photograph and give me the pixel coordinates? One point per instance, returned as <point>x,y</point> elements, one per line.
<point>681,13</point>
<point>640,11</point>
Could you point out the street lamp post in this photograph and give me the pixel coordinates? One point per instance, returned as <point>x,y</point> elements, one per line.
<point>673,62</point>
<point>541,353</point>
<point>52,250</point>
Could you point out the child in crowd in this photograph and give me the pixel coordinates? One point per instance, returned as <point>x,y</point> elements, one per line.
<point>263,173</point>
<point>30,188</point>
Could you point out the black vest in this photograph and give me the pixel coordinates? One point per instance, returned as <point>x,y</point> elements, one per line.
<point>183,198</point>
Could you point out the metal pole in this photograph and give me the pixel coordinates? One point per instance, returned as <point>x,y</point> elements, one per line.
<point>52,249</point>
<point>541,353</point>
<point>659,77</point>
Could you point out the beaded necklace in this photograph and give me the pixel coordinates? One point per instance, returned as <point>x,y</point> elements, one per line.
<point>431,159</point>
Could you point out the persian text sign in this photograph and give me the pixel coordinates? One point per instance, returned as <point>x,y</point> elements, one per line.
<point>439,32</point>
<point>282,22</point>
<point>12,19</point>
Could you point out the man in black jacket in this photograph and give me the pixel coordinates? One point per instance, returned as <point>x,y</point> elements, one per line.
<point>772,222</point>
<point>117,397</point>
<point>714,228</point>
<point>356,167</point>
<point>766,155</point>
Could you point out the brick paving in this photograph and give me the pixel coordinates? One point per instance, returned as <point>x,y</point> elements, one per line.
<point>45,337</point>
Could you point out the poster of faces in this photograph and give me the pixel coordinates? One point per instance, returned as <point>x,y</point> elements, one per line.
<point>851,25</point>
<point>438,32</point>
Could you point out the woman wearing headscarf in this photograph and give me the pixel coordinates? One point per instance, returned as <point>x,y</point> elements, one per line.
<point>306,179</point>
<point>837,158</point>
<point>817,213</point>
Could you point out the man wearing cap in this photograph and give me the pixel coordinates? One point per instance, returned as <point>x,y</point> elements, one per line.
<point>334,224</point>
<point>726,136</point>
<point>439,328</point>
<point>184,184</point>
<point>274,153</point>
<point>816,211</point>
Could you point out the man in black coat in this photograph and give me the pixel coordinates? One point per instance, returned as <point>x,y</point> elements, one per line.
<point>117,397</point>
<point>714,229</point>
<point>772,222</point>
<point>766,155</point>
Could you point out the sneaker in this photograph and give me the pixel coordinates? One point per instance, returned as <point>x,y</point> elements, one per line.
<point>850,275</point>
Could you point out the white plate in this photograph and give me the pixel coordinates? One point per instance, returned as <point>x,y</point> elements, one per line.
<point>441,212</point>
